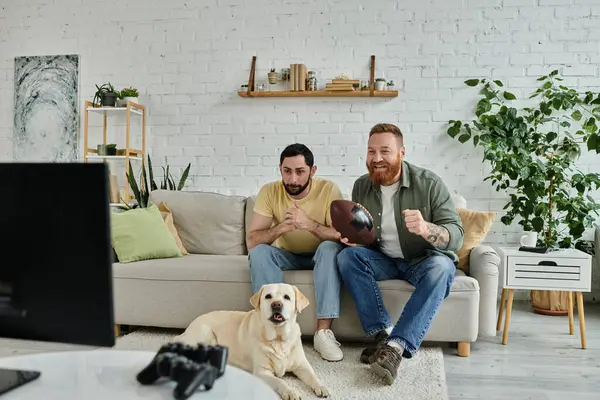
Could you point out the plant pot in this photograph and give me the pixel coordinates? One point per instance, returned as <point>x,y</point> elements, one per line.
<point>107,149</point>
<point>379,85</point>
<point>272,77</point>
<point>131,99</point>
<point>550,302</point>
<point>109,99</point>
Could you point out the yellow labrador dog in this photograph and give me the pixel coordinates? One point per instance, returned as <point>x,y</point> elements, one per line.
<point>265,341</point>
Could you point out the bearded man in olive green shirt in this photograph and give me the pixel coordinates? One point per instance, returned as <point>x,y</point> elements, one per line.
<point>417,234</point>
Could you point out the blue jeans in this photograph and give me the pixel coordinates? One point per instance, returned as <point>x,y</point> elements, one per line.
<point>432,278</point>
<point>267,264</point>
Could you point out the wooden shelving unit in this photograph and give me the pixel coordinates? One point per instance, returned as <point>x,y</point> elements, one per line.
<point>130,153</point>
<point>317,93</point>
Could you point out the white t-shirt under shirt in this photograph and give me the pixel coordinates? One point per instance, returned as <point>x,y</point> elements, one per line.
<point>390,241</point>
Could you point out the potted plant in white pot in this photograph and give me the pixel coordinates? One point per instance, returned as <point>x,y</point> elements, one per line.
<point>379,84</point>
<point>533,153</point>
<point>128,94</point>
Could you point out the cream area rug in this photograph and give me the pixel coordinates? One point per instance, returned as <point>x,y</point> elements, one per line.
<point>419,378</point>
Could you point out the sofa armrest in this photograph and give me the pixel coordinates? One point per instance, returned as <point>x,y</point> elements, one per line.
<point>484,265</point>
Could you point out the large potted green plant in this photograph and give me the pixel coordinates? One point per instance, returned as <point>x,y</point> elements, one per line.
<point>533,153</point>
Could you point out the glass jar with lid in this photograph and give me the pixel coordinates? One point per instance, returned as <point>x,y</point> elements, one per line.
<point>311,81</point>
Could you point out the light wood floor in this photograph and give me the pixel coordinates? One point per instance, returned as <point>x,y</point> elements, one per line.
<point>541,360</point>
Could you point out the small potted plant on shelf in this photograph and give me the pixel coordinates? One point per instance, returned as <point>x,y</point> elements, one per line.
<point>106,95</point>
<point>390,85</point>
<point>109,149</point>
<point>379,84</point>
<point>272,76</point>
<point>128,94</point>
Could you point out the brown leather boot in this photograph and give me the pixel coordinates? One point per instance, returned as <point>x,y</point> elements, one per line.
<point>368,355</point>
<point>387,362</point>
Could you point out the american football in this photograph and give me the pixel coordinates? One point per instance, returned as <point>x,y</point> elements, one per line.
<point>349,219</point>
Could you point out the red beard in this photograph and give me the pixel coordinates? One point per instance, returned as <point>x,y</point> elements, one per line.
<point>386,175</point>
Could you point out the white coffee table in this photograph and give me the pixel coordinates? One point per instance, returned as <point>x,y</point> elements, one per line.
<point>110,374</point>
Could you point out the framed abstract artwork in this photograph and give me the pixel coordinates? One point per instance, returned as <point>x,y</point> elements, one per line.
<point>46,119</point>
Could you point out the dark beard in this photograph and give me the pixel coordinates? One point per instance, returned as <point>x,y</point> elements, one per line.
<point>295,190</point>
<point>384,177</point>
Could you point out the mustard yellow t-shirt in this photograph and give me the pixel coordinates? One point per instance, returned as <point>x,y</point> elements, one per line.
<point>272,201</point>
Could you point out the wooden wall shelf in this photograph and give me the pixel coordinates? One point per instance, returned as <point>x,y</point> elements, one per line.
<point>371,92</point>
<point>323,93</point>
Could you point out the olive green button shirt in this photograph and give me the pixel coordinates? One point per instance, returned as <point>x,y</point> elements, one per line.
<point>419,189</point>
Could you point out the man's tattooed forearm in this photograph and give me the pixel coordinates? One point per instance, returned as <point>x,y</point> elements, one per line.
<point>437,235</point>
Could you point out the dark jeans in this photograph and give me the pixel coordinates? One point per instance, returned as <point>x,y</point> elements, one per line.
<point>361,268</point>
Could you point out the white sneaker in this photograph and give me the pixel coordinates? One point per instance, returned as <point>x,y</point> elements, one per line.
<point>327,346</point>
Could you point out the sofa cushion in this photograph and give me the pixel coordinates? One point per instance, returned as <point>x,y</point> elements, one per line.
<point>207,268</point>
<point>461,283</point>
<point>141,234</point>
<point>476,225</point>
<point>168,217</point>
<point>207,223</point>
<point>194,267</point>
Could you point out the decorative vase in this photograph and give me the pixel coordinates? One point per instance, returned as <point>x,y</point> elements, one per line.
<point>379,85</point>
<point>272,77</point>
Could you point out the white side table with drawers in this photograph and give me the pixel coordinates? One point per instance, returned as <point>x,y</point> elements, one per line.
<point>564,269</point>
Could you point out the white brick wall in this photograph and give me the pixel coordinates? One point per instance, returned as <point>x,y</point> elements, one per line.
<point>188,58</point>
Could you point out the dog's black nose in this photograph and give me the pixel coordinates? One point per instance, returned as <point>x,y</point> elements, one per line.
<point>276,305</point>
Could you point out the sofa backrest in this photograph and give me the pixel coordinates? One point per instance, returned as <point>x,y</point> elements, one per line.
<point>207,223</point>
<point>212,223</point>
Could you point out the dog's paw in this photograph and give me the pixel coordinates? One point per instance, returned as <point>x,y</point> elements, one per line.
<point>289,394</point>
<point>321,391</point>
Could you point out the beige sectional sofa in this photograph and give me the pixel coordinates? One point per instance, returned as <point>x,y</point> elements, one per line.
<point>215,276</point>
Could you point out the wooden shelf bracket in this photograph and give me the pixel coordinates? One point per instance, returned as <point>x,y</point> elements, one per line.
<point>372,78</point>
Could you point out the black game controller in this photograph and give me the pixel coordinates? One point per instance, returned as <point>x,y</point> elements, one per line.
<point>191,367</point>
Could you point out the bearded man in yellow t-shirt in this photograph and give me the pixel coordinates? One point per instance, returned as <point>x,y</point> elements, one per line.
<point>291,230</point>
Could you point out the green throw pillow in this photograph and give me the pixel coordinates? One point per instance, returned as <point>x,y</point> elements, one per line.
<point>141,234</point>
